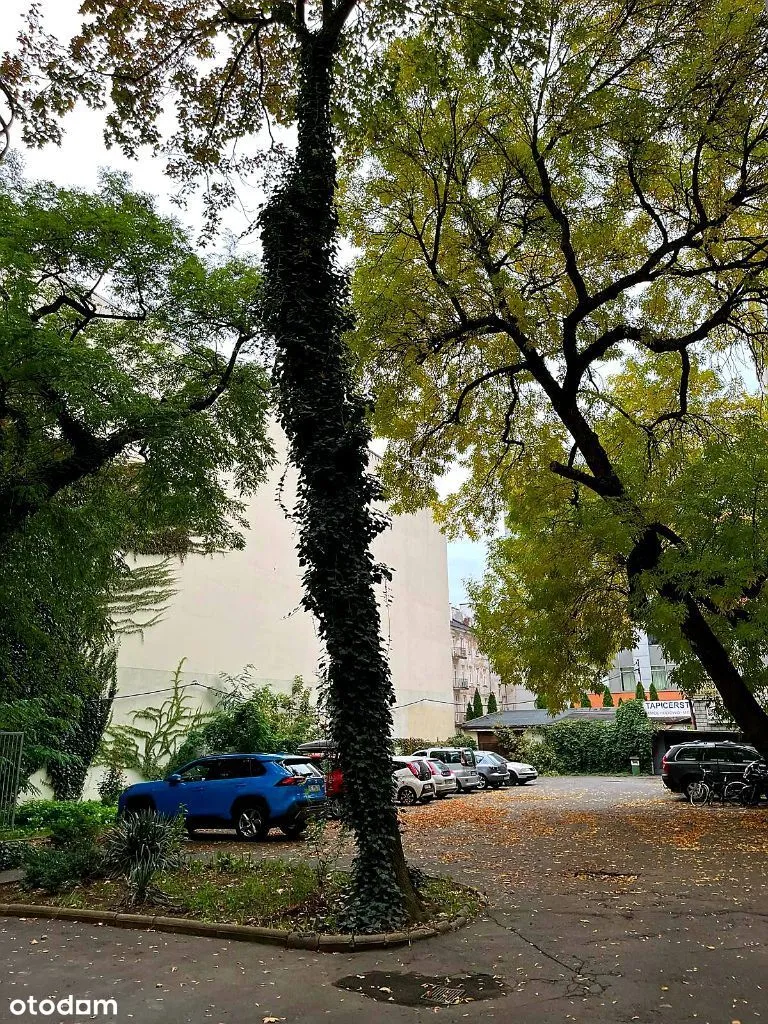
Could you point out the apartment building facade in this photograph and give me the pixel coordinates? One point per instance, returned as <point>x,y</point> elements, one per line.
<point>243,608</point>
<point>472,670</point>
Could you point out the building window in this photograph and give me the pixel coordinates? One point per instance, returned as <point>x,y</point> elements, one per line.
<point>659,677</point>
<point>628,679</point>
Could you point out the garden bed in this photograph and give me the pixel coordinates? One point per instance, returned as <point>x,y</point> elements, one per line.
<point>261,894</point>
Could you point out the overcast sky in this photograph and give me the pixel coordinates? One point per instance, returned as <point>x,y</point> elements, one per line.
<point>78,162</point>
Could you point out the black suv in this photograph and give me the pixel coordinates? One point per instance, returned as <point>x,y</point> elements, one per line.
<point>683,763</point>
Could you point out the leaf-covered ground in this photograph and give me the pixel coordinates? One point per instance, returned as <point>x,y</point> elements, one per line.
<point>610,902</point>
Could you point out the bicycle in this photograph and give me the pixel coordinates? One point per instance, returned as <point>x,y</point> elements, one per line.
<point>709,788</point>
<point>748,790</point>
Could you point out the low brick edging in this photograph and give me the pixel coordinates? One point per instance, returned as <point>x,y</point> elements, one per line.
<point>329,943</point>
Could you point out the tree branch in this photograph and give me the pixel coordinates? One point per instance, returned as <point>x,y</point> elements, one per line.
<point>685,375</point>
<point>6,120</point>
<point>602,487</point>
<point>455,416</point>
<point>334,22</point>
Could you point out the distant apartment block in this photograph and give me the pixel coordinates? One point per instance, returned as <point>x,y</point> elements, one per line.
<point>472,671</point>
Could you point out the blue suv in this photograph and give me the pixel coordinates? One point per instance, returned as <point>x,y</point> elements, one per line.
<point>248,792</point>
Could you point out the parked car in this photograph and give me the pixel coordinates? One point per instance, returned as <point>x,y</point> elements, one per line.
<point>492,771</point>
<point>682,764</point>
<point>248,792</point>
<point>413,780</point>
<point>443,778</point>
<point>519,772</point>
<point>461,761</point>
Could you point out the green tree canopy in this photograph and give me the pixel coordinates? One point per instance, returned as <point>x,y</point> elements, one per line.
<point>120,344</point>
<point>538,226</point>
<point>132,420</point>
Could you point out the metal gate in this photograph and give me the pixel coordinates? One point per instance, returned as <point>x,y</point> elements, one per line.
<point>11,748</point>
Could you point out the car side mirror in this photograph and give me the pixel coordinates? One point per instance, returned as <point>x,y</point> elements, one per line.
<point>173,780</point>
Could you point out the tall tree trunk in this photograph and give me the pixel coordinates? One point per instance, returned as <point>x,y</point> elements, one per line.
<point>704,642</point>
<point>324,417</point>
<point>737,697</point>
<point>80,745</point>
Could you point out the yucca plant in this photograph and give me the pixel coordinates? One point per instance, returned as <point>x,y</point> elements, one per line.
<point>138,847</point>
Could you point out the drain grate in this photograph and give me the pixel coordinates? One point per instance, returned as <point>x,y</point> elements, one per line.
<point>443,995</point>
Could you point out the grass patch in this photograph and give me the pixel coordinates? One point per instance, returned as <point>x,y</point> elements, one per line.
<point>248,890</point>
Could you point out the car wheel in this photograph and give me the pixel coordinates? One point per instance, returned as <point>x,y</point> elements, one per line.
<point>483,783</point>
<point>294,831</point>
<point>406,796</point>
<point>334,808</point>
<point>513,779</point>
<point>688,785</point>
<point>249,822</point>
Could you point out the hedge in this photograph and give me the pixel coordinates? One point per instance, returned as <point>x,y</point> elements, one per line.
<point>584,747</point>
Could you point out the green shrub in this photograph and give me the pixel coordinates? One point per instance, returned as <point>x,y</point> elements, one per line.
<point>139,846</point>
<point>631,736</point>
<point>492,705</point>
<point>459,739</point>
<point>640,692</point>
<point>579,747</point>
<point>533,749</point>
<point>585,701</point>
<point>477,705</point>
<point>607,697</point>
<point>66,820</point>
<point>653,693</point>
<point>509,741</point>
<point>584,747</point>
<point>11,855</point>
<point>54,870</point>
<point>252,717</point>
<point>112,784</point>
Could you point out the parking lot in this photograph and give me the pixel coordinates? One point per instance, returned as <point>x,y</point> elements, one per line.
<point>610,900</point>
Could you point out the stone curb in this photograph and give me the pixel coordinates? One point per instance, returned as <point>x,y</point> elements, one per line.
<point>327,943</point>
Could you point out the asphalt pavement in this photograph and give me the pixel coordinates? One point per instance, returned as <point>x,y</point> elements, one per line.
<point>610,901</point>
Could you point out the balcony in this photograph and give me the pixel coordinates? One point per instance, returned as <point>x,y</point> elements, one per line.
<point>459,651</point>
<point>461,684</point>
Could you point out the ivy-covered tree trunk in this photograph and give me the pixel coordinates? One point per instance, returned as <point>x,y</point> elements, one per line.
<point>79,746</point>
<point>324,417</point>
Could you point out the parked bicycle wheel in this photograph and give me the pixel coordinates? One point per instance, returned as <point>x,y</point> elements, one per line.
<point>699,793</point>
<point>737,792</point>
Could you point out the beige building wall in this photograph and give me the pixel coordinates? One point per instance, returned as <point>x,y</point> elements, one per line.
<point>243,607</point>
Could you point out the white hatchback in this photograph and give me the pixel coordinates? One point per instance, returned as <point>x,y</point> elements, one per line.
<point>413,780</point>
<point>443,778</point>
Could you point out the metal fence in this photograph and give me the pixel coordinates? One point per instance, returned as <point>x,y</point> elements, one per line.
<point>11,748</point>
